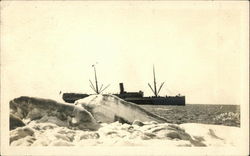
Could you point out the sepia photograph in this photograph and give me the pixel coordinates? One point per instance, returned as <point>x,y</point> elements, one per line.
<point>124,77</point>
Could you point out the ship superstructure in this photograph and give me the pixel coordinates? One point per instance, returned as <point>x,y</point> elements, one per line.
<point>138,98</point>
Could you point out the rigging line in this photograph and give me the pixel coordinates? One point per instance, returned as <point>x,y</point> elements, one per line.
<point>92,86</point>
<point>160,87</point>
<point>101,88</point>
<point>105,87</point>
<point>151,88</point>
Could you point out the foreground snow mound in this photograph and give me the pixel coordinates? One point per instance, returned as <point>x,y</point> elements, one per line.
<point>109,108</point>
<point>118,134</point>
<point>45,110</point>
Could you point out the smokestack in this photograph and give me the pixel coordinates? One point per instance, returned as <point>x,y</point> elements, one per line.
<point>121,88</point>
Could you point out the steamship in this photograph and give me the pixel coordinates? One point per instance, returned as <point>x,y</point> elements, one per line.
<point>134,97</point>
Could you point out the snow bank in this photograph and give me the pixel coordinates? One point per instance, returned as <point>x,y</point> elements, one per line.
<point>49,123</point>
<point>118,134</point>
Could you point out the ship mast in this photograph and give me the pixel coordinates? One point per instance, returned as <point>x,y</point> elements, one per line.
<point>96,83</point>
<point>156,93</point>
<point>96,88</point>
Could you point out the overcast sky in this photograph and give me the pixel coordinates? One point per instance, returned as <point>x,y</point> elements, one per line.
<point>196,48</point>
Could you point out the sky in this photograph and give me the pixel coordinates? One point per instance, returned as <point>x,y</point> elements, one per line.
<point>197,48</point>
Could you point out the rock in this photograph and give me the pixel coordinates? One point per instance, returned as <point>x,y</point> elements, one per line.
<point>15,122</point>
<point>173,135</point>
<point>138,123</point>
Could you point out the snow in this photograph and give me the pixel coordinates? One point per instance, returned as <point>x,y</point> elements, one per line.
<point>117,134</point>
<point>42,129</point>
<point>214,135</point>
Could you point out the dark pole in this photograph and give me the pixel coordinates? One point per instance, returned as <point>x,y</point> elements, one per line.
<point>154,81</point>
<point>96,84</point>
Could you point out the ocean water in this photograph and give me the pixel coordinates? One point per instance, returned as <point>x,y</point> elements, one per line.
<point>228,115</point>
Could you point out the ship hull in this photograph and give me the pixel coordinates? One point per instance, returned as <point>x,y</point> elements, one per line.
<point>180,101</point>
<point>72,97</point>
<point>170,100</point>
